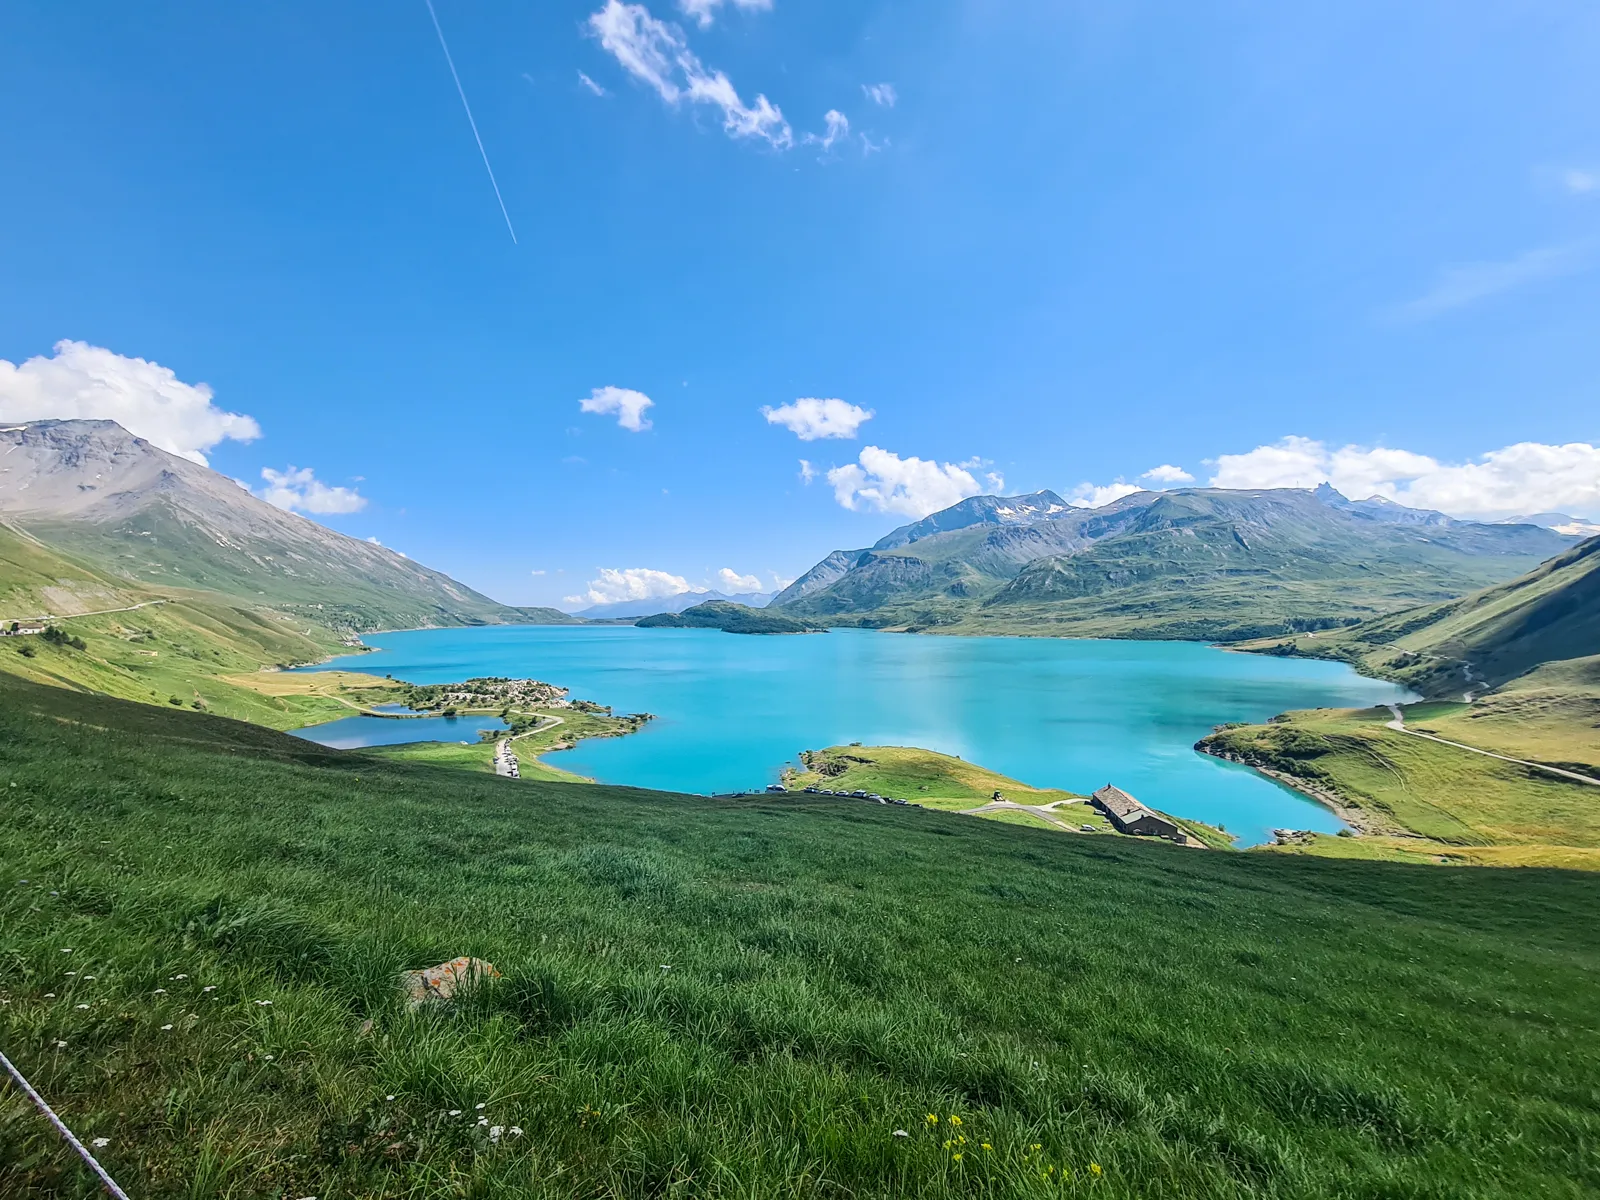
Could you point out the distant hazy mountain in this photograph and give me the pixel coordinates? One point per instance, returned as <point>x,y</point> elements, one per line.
<point>1560,522</point>
<point>1195,562</point>
<point>97,493</point>
<point>626,610</point>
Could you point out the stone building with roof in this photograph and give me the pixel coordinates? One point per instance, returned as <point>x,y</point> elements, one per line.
<point>1129,816</point>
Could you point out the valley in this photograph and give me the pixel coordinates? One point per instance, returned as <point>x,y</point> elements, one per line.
<point>768,991</point>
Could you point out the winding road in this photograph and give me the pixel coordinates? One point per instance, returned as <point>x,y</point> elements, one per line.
<point>1399,725</point>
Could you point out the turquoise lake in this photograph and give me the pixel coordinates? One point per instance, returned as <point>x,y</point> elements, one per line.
<point>732,710</point>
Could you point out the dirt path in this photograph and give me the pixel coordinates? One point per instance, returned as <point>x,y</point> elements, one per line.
<point>1039,811</point>
<point>72,616</point>
<point>554,721</point>
<point>1399,725</point>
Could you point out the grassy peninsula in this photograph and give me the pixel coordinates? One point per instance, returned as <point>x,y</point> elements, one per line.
<point>1415,799</point>
<point>951,784</point>
<point>741,998</point>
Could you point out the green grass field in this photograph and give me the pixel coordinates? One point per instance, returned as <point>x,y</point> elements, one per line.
<point>1550,715</point>
<point>742,998</point>
<point>1423,800</point>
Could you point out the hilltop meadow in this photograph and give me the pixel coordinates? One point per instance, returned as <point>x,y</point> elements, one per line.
<point>202,925</point>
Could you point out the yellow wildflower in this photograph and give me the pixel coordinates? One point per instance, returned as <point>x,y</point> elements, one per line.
<point>1094,1168</point>
<point>933,1118</point>
<point>1036,1146</point>
<point>986,1146</point>
<point>954,1120</point>
<point>955,1158</point>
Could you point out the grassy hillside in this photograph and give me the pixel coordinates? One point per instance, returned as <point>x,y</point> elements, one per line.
<point>35,580</point>
<point>1419,800</point>
<point>204,649</point>
<point>1550,715</point>
<point>1487,638</point>
<point>201,923</point>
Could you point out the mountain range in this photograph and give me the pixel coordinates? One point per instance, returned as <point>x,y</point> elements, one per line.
<point>1186,563</point>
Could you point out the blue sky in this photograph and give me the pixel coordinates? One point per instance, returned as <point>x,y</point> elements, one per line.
<point>1084,241</point>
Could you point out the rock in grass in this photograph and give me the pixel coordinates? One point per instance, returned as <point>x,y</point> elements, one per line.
<point>433,984</point>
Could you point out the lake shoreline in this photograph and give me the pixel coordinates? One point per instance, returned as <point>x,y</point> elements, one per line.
<point>1066,712</point>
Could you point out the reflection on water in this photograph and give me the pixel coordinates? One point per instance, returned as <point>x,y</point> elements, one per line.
<point>1052,712</point>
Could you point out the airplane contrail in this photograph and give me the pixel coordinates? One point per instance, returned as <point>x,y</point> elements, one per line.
<point>460,91</point>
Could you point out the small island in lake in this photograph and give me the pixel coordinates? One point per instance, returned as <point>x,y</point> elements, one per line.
<point>730,618</point>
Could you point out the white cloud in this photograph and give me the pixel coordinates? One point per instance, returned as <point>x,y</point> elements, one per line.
<point>1089,495</point>
<point>807,471</point>
<point>83,382</point>
<point>810,419</point>
<point>593,87</point>
<point>1580,181</point>
<point>704,11</point>
<point>374,541</point>
<point>1524,478</point>
<point>541,572</point>
<point>1167,473</point>
<point>1469,283</point>
<point>735,584</point>
<point>881,94</point>
<point>632,583</point>
<point>884,482</point>
<point>779,582</point>
<point>657,54</point>
<point>838,127</point>
<point>627,404</point>
<point>297,489</point>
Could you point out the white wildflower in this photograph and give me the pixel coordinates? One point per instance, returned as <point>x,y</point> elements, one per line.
<point>61,1045</point>
<point>164,1028</point>
<point>901,1133</point>
<point>49,995</point>
<point>81,1007</point>
<point>455,1112</point>
<point>480,1107</point>
<point>210,987</point>
<point>159,992</point>
<point>515,1131</point>
<point>388,1097</point>
<point>100,1143</point>
<point>495,1131</point>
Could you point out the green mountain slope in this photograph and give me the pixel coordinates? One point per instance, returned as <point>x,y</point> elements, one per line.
<point>742,998</point>
<point>1190,563</point>
<point>1485,639</point>
<point>148,518</point>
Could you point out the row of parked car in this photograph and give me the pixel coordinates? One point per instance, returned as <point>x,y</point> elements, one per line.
<point>856,795</point>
